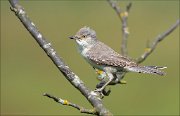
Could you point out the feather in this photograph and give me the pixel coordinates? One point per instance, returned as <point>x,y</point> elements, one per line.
<point>147,69</point>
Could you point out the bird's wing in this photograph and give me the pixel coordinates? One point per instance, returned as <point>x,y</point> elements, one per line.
<point>101,54</point>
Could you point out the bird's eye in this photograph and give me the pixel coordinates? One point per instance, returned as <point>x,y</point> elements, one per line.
<point>84,36</point>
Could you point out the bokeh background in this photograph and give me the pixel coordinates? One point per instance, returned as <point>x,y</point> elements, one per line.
<point>26,71</point>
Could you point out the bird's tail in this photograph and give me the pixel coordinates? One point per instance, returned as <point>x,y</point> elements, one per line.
<point>147,69</point>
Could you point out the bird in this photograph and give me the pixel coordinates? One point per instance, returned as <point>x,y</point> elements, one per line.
<point>102,57</point>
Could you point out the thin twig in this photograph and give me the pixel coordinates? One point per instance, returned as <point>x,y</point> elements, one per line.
<point>66,102</point>
<point>91,96</point>
<point>159,38</point>
<point>117,9</point>
<point>123,15</point>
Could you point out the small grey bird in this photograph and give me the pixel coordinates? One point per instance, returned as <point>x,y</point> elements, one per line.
<point>104,58</point>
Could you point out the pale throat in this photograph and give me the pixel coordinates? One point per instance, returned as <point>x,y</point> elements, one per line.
<point>83,44</point>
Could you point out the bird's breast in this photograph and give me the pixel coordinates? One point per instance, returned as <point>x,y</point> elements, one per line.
<point>84,54</point>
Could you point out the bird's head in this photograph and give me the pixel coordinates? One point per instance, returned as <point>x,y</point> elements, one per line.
<point>85,37</point>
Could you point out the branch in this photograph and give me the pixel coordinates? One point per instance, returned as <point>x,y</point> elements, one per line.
<point>91,96</point>
<point>158,39</point>
<point>123,15</point>
<point>65,102</point>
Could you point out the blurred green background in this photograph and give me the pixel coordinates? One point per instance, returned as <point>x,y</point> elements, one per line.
<point>26,71</point>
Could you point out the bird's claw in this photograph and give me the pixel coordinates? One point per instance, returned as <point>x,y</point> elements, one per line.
<point>102,92</point>
<point>98,90</point>
<point>106,92</point>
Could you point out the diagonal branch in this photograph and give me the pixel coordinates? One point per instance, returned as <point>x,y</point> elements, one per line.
<point>123,15</point>
<point>158,39</point>
<point>91,96</point>
<point>65,102</point>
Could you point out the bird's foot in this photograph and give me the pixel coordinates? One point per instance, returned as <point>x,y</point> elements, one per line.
<point>106,92</point>
<point>98,90</point>
<point>102,92</point>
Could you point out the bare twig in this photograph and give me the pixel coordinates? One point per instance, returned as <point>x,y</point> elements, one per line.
<point>91,96</point>
<point>159,38</point>
<point>66,102</point>
<point>123,15</point>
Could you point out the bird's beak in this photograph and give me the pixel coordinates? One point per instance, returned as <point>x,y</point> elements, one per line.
<point>72,37</point>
